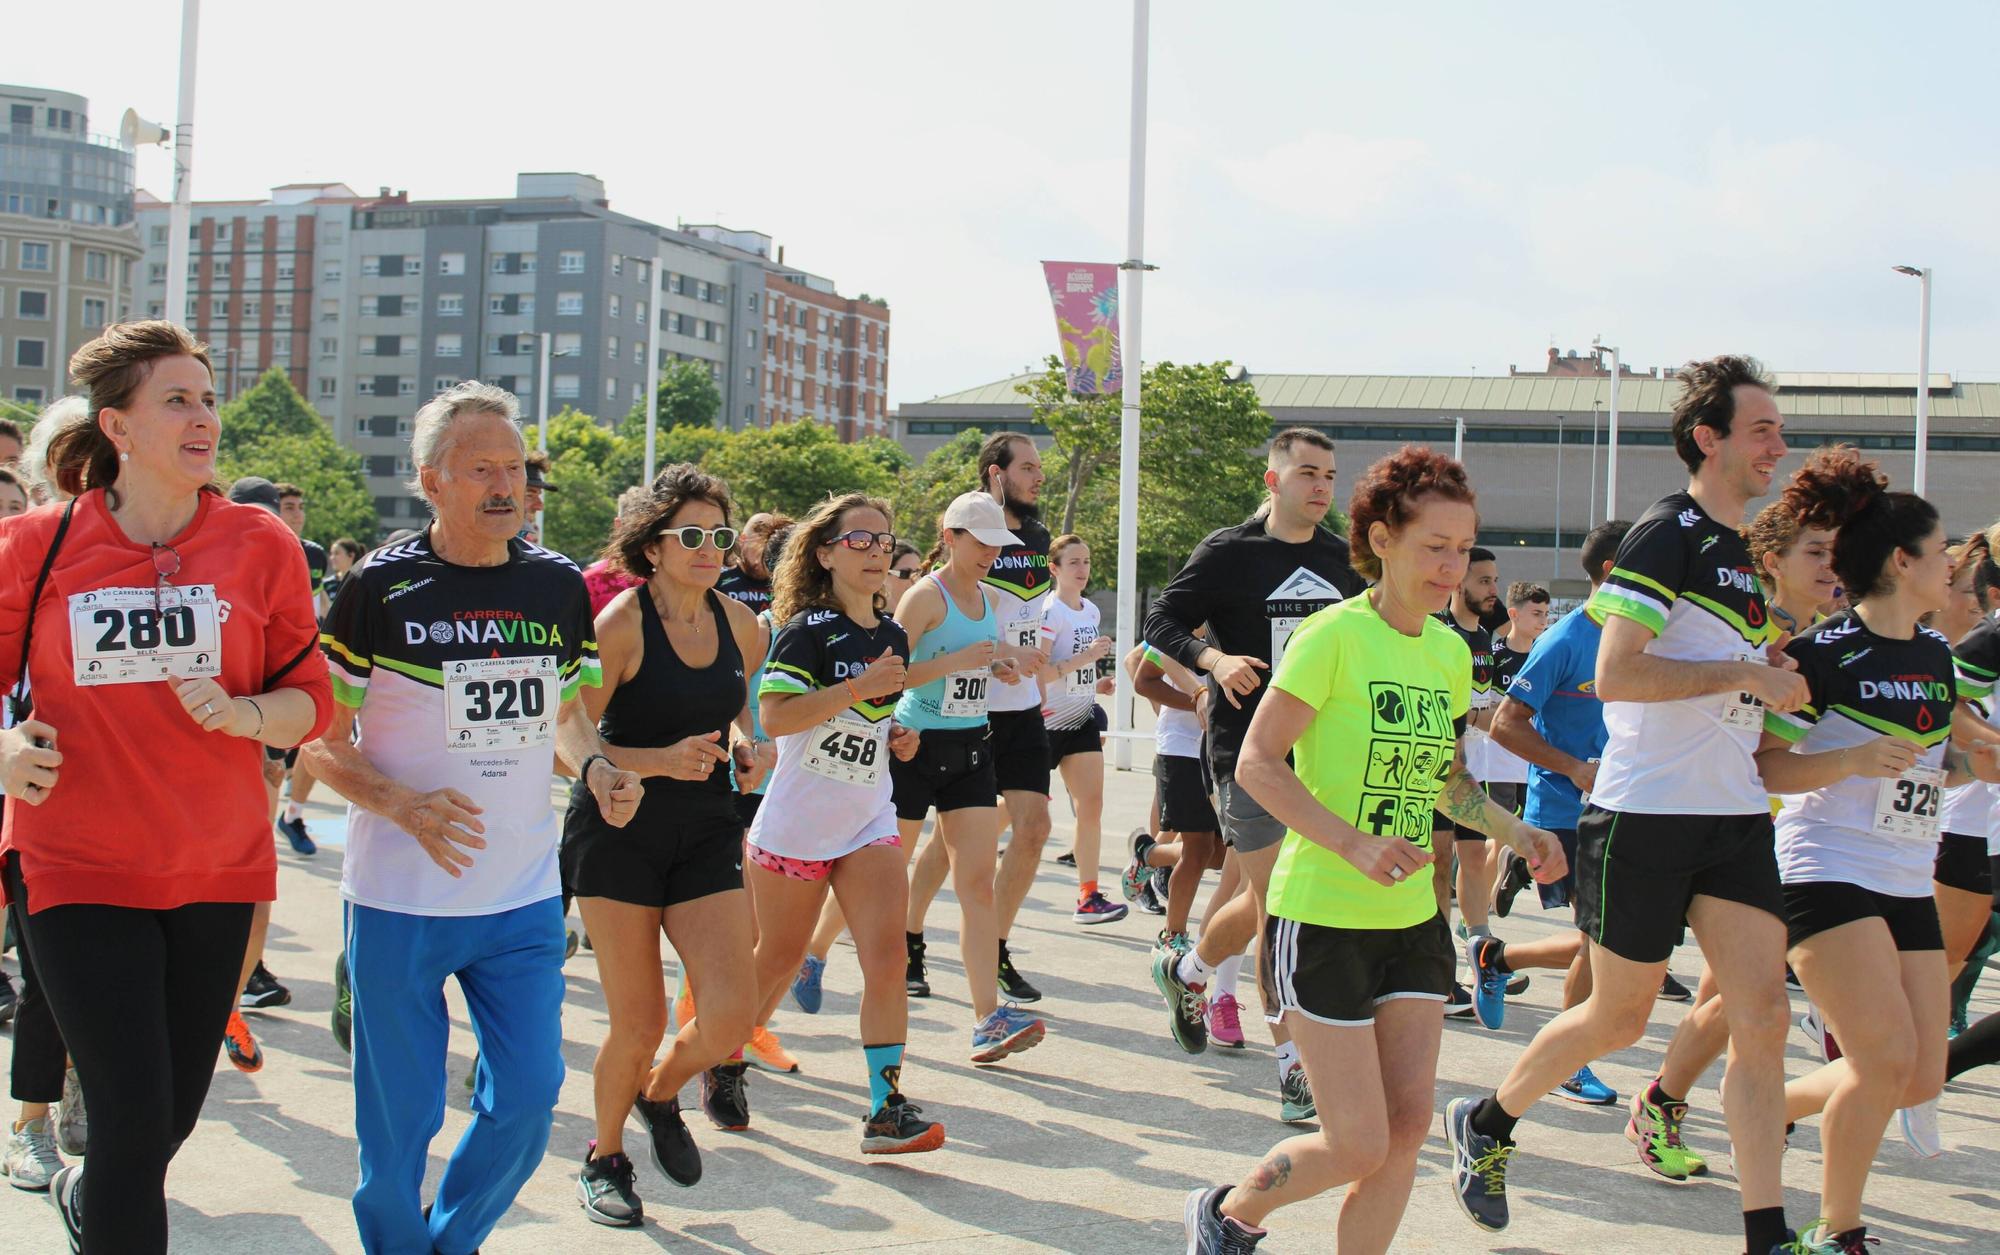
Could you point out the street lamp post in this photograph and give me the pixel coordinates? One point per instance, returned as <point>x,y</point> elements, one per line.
<point>542,398</point>
<point>1591,513</point>
<point>1132,275</point>
<point>1611,436</point>
<point>1923,451</point>
<point>181,214</point>
<point>1555,552</point>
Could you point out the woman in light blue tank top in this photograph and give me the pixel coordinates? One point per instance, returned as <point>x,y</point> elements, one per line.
<point>963,687</point>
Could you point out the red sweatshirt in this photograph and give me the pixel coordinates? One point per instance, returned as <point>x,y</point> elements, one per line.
<point>149,811</point>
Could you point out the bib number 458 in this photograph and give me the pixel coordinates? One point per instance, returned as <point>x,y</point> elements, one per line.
<point>850,747</point>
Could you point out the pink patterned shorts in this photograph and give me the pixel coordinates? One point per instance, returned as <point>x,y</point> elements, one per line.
<point>808,869</point>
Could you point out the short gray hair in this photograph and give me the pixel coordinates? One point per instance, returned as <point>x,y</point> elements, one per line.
<point>633,500</point>
<point>431,437</point>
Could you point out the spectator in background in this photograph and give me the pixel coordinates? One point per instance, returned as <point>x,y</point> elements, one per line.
<point>11,443</point>
<point>34,462</point>
<point>13,492</point>
<point>340,559</point>
<point>604,578</point>
<point>538,483</point>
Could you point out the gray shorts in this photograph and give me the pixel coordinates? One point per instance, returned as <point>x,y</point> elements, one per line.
<point>1246,825</point>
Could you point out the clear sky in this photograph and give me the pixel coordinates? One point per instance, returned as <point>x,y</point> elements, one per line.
<point>1333,187</point>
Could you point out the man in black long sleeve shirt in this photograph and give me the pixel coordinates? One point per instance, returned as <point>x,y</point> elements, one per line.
<point>1253,585</point>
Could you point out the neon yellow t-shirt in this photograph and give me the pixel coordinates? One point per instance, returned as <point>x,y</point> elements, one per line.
<point>1376,755</point>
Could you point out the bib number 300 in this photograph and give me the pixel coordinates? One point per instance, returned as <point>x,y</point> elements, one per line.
<point>965,694</point>
<point>500,703</point>
<point>1908,805</point>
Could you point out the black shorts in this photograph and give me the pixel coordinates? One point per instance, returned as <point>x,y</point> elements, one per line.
<point>1562,892</point>
<point>1340,975</point>
<point>1182,787</point>
<point>278,754</point>
<point>1813,907</point>
<point>1505,793</point>
<point>1962,863</point>
<point>746,807</point>
<point>1066,741</point>
<point>648,862</point>
<point>1637,874</point>
<point>1020,749</point>
<point>952,771</point>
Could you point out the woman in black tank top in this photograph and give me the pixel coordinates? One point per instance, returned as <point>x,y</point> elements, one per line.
<point>677,656</point>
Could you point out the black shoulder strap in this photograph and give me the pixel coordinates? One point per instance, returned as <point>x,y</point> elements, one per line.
<point>21,702</point>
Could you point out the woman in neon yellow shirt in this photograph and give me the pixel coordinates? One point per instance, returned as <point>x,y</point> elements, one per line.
<point>1369,702</point>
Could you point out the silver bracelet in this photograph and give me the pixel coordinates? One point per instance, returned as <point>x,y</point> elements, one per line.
<point>260,716</point>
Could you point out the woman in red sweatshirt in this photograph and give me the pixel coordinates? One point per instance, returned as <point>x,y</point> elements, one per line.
<point>165,636</point>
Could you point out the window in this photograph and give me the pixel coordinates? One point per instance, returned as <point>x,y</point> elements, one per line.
<point>95,312</point>
<point>406,387</point>
<point>643,274</point>
<point>367,346</point>
<point>413,266</point>
<point>527,263</point>
<point>159,235</point>
<point>639,312</point>
<point>450,346</point>
<point>638,392</point>
<point>31,304</point>
<point>31,397</point>
<point>526,305</point>
<point>34,255</point>
<point>451,263</point>
<point>157,272</point>
<point>752,298</point>
<point>567,387</point>
<point>638,353</point>
<point>750,375</point>
<point>329,311</point>
<point>569,262</point>
<point>156,309</point>
<point>371,267</point>
<point>218,308</point>
<point>329,387</point>
<point>222,233</point>
<point>370,306</point>
<point>97,266</point>
<point>329,347</point>
<point>617,264</point>
<point>253,272</point>
<point>253,309</point>
<point>611,389</point>
<point>499,266</point>
<point>443,382</point>
<point>330,273</point>
<point>281,351</point>
<point>611,348</point>
<point>750,338</point>
<point>287,269</point>
<point>701,290</point>
<point>451,305</point>
<point>611,305</point>
<point>569,304</point>
<point>406,424</point>
<point>33,354</point>
<point>496,302</point>
<point>222,269</point>
<point>568,344</point>
<point>254,237</point>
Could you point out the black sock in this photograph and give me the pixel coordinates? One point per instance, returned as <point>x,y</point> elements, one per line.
<point>1003,949</point>
<point>913,941</point>
<point>1658,1096</point>
<point>1763,1229</point>
<point>1490,1119</point>
<point>1500,957</point>
<point>1975,1047</point>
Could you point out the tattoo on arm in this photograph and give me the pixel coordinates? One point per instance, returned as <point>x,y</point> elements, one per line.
<point>1273,1173</point>
<point>1464,800</point>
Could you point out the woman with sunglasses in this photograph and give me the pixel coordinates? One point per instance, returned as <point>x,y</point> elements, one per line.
<point>138,888</point>
<point>906,567</point>
<point>676,654</point>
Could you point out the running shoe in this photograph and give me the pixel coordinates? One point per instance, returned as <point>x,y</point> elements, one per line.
<point>674,1151</point>
<point>1209,1232</point>
<point>9,1000</point>
<point>343,1005</point>
<point>1014,986</point>
<point>1817,1241</point>
<point>604,1190</point>
<point>1478,1167</point>
<point>1489,989</point>
<point>1460,1003</point>
<point>1161,875</point>
<point>1792,980</point>
<point>1008,1031</point>
<point>1672,990</point>
<point>1067,858</point>
<point>806,990</point>
<point>1225,1023</point>
<point>1819,1034</point>
<point>1187,1009</point>
<point>1136,871</point>
<point>1516,878</point>
<point>1655,1128</point>
<point>1179,943</point>
<point>1517,984</point>
<point>1295,1097</point>
<point>725,1097</point>
<point>1958,1024</point>
<point>294,831</point>
<point>898,1129</point>
<point>1098,909</point>
<point>242,1047</point>
<point>72,1119</point>
<point>32,1161</point>
<point>263,990</point>
<point>1584,1087</point>
<point>1149,902</point>
<point>1920,1129</point>
<point>66,1193</point>
<point>571,940</point>
<point>915,982</point>
<point>767,1052</point>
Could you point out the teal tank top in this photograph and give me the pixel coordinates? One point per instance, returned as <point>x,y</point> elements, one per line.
<point>924,707</point>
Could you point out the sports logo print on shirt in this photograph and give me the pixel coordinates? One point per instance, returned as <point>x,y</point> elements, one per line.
<point>1409,750</point>
<point>1286,606</point>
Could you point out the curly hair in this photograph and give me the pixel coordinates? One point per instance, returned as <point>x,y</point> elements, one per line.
<point>1976,551</point>
<point>1773,532</point>
<point>1708,399</point>
<point>1389,493</point>
<point>672,488</point>
<point>799,584</point>
<point>1837,491</point>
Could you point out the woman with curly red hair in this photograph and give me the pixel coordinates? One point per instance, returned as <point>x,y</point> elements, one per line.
<point>1361,958</point>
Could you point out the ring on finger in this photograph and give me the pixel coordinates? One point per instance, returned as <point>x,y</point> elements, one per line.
<point>1396,874</point>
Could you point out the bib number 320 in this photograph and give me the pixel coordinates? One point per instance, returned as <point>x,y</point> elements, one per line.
<point>500,703</point>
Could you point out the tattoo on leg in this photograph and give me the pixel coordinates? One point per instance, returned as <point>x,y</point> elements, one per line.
<point>1272,1173</point>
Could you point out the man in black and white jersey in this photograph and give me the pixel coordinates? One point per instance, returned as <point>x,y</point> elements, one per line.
<point>1678,831</point>
<point>459,656</point>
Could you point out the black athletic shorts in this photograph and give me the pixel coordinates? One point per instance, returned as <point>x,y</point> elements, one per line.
<point>1066,741</point>
<point>1501,791</point>
<point>952,771</point>
<point>1340,975</point>
<point>1182,787</point>
<point>277,753</point>
<point>648,863</point>
<point>746,807</point>
<point>1637,873</point>
<point>1020,744</point>
<point>1962,863</point>
<point>1815,906</point>
<point>1562,892</point>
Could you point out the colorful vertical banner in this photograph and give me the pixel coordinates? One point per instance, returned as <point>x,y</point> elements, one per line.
<point>1085,295</point>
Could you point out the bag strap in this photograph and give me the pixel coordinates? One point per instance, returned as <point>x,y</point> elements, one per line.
<point>19,702</point>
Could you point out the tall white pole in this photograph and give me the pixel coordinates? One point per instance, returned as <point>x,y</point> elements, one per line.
<point>1458,440</point>
<point>1923,384</point>
<point>1133,275</point>
<point>1611,446</point>
<point>182,213</point>
<point>542,414</point>
<point>653,367</point>
<point>1555,553</point>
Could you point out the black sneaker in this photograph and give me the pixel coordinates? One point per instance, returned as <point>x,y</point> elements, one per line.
<point>66,1193</point>
<point>1187,1009</point>
<point>897,1130</point>
<point>1209,1232</point>
<point>725,1097</point>
<point>1067,858</point>
<point>1461,1001</point>
<point>1013,985</point>
<point>1672,990</point>
<point>915,983</point>
<point>343,1005</point>
<point>1517,878</point>
<point>9,1000</point>
<point>1478,1166</point>
<point>1148,901</point>
<point>1518,985</point>
<point>604,1190</point>
<point>674,1151</point>
<point>263,990</point>
<point>294,831</point>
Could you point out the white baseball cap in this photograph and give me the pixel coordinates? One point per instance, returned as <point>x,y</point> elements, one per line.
<point>980,514</point>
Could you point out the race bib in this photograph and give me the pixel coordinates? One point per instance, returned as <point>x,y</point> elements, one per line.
<point>1282,628</point>
<point>500,703</point>
<point>135,635</point>
<point>1024,633</point>
<point>1081,683</point>
<point>1907,806</point>
<point>1742,712</point>
<point>965,694</point>
<point>849,750</point>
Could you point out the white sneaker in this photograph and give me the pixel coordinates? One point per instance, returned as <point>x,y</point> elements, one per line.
<point>1920,1129</point>
<point>31,1156</point>
<point>1815,1030</point>
<point>72,1124</point>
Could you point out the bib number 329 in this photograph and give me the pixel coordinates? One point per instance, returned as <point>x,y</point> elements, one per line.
<point>500,703</point>
<point>1908,805</point>
<point>849,750</point>
<point>132,635</point>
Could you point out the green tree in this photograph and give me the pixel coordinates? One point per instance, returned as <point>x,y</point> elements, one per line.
<point>924,490</point>
<point>794,466</point>
<point>1083,439</point>
<point>688,398</point>
<point>576,517</point>
<point>270,430</point>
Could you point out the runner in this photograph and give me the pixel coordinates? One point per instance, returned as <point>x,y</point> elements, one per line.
<point>13,492</point>
<point>135,839</point>
<point>1187,823</point>
<point>828,696</point>
<point>906,567</point>
<point>1476,598</point>
<point>605,578</point>
<point>341,556</point>
<point>676,656</point>
<point>1861,767</point>
<point>1362,957</point>
<point>953,622</point>
<point>749,580</point>
<point>1678,830</point>
<point>1252,584</point>
<point>1070,684</point>
<point>459,655</point>
<point>539,466</point>
<point>1962,877</point>
<point>1527,606</point>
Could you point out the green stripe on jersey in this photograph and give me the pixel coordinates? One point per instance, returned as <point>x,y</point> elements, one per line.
<point>1889,728</point>
<point>428,675</point>
<point>1751,636</point>
<point>1786,726</point>
<point>1606,601</point>
<point>348,695</point>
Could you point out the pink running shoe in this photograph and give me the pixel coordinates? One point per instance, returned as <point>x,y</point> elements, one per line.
<point>1225,1028</point>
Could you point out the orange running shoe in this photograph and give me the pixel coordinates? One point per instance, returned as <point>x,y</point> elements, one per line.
<point>767,1052</point>
<point>242,1047</point>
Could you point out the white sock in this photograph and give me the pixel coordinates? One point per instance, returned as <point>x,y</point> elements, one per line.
<point>1288,1058</point>
<point>292,811</point>
<point>1193,972</point>
<point>1226,973</point>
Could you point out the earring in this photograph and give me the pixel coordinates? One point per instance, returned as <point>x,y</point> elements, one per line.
<point>124,457</point>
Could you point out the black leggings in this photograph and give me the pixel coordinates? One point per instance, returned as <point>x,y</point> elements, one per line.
<point>1975,1047</point>
<point>142,998</point>
<point>39,1057</point>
